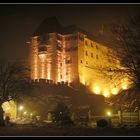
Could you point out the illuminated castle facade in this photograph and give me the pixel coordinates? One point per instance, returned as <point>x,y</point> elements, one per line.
<point>71,55</point>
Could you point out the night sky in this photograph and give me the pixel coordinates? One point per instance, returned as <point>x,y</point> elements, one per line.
<point>18,22</point>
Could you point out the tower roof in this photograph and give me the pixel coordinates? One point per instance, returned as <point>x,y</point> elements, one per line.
<point>48,25</point>
<point>51,24</point>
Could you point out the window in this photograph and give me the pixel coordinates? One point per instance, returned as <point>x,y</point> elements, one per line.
<point>74,48</point>
<point>60,64</point>
<point>111,77</point>
<point>97,57</point>
<point>92,55</point>
<point>42,49</point>
<point>97,47</point>
<point>109,60</point>
<point>81,37</point>
<point>68,38</point>
<point>109,51</point>
<point>91,45</point>
<point>74,37</point>
<point>86,53</point>
<point>61,76</point>
<point>68,60</point>
<point>86,62</point>
<point>59,48</point>
<point>81,61</point>
<point>59,38</point>
<point>39,39</point>
<point>86,43</point>
<point>110,69</point>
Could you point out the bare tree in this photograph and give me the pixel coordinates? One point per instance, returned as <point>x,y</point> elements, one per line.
<point>127,37</point>
<point>126,43</point>
<point>13,79</point>
<point>62,114</point>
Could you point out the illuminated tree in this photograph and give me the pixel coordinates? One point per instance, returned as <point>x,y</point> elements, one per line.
<point>127,37</point>
<point>13,80</point>
<point>126,42</point>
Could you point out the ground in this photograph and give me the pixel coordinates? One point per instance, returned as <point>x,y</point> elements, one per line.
<point>21,130</point>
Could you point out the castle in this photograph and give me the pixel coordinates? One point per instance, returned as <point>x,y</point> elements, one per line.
<point>71,55</point>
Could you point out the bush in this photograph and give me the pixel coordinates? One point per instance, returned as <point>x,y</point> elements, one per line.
<point>67,122</point>
<point>61,114</point>
<point>2,123</point>
<point>102,123</point>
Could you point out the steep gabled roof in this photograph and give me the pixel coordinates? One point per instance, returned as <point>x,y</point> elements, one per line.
<point>48,25</point>
<point>51,24</point>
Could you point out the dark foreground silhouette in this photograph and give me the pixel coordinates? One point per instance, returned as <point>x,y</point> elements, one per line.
<point>66,131</point>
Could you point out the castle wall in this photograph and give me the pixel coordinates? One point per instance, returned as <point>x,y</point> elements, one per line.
<point>95,60</point>
<point>74,58</point>
<point>58,62</point>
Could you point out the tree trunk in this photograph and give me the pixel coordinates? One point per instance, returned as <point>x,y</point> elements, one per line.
<point>1,115</point>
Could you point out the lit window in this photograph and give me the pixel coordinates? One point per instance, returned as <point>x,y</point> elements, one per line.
<point>97,47</point>
<point>68,60</point>
<point>86,53</point>
<point>86,43</point>
<point>92,55</point>
<point>109,60</point>
<point>59,38</point>
<point>59,48</point>
<point>67,38</point>
<point>97,57</point>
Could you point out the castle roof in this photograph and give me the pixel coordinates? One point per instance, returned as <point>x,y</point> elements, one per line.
<point>51,24</point>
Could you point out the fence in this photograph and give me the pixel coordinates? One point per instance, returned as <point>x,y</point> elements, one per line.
<point>129,118</point>
<point>122,118</point>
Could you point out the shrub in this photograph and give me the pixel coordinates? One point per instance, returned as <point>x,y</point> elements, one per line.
<point>62,114</point>
<point>102,123</point>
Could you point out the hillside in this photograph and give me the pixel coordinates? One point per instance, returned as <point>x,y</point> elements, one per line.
<point>43,97</point>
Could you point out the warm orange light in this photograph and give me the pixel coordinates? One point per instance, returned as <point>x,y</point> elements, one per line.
<point>21,108</point>
<point>124,84</point>
<point>25,113</point>
<point>69,76</point>
<point>58,78</point>
<point>10,109</point>
<point>109,113</point>
<point>42,57</point>
<point>97,90</point>
<point>114,91</point>
<point>49,71</point>
<point>83,81</point>
<point>106,93</point>
<point>35,68</point>
<point>64,71</point>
